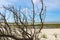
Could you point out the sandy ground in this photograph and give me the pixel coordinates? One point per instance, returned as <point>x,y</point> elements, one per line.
<point>50,33</point>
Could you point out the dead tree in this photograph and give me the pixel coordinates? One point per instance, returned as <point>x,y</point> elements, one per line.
<point>21,31</point>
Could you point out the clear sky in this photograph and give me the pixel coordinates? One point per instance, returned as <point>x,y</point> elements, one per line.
<point>52,6</point>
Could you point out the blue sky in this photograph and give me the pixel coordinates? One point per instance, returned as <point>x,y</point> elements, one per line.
<point>52,7</point>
